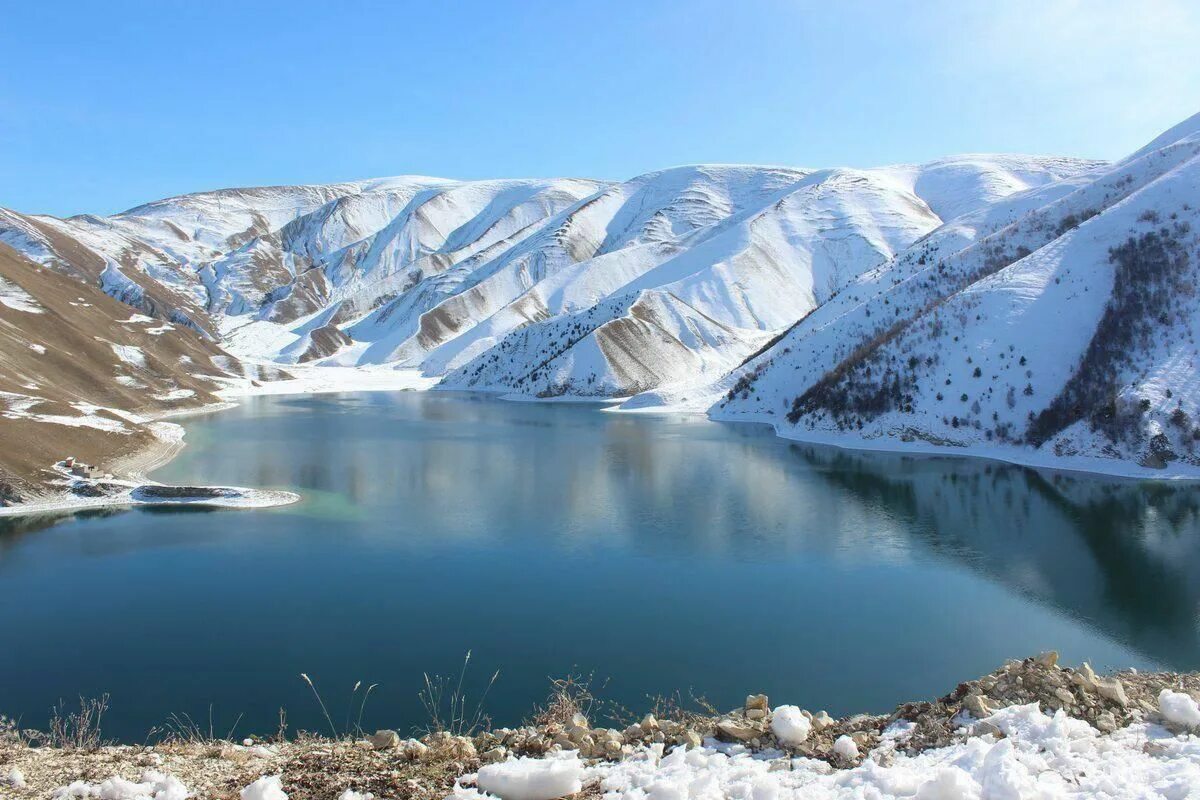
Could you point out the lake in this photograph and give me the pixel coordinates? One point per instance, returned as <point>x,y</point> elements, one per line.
<point>656,553</point>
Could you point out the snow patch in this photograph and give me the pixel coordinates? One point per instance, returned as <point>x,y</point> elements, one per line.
<point>268,787</point>
<point>532,778</point>
<point>323,380</point>
<point>789,725</point>
<point>153,786</point>
<point>130,354</point>
<point>17,298</point>
<point>1179,709</point>
<point>1047,757</point>
<point>88,421</point>
<point>845,747</point>
<point>175,394</point>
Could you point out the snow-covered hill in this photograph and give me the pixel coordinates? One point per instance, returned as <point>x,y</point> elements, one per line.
<point>1038,309</point>
<point>541,287</point>
<point>701,266</point>
<point>1058,326</point>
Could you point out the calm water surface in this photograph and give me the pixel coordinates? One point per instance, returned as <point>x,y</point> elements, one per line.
<point>658,553</point>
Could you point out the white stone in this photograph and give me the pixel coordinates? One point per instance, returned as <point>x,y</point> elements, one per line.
<point>1112,689</point>
<point>741,731</point>
<point>1085,677</point>
<point>384,740</point>
<point>978,706</point>
<point>821,720</point>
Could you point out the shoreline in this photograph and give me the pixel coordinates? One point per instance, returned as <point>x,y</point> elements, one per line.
<point>1084,466</point>
<point>1073,466</point>
<point>1118,727</point>
<point>135,467</point>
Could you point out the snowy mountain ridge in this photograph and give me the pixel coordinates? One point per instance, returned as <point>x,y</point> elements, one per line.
<point>835,304</point>
<point>1057,327</point>
<point>432,273</point>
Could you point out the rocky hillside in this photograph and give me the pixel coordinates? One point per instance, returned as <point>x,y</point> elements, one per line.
<point>1056,326</point>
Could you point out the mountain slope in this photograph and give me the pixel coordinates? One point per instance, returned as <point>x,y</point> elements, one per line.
<point>671,285</point>
<point>661,309</point>
<point>82,374</point>
<point>435,274</point>
<point>1058,325</point>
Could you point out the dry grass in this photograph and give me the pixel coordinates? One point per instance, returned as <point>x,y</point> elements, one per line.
<point>568,696</point>
<point>347,731</point>
<point>182,728</point>
<point>78,730</point>
<point>312,768</point>
<point>695,712</point>
<point>445,702</point>
<point>581,694</point>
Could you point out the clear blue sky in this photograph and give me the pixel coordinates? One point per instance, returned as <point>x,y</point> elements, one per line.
<point>107,104</point>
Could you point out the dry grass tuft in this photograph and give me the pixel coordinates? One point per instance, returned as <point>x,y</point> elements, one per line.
<point>76,730</point>
<point>568,696</point>
<point>446,707</point>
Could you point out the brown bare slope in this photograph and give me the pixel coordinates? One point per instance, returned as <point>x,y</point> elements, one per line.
<point>66,347</point>
<point>72,257</point>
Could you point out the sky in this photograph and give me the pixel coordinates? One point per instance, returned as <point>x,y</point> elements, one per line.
<point>107,105</point>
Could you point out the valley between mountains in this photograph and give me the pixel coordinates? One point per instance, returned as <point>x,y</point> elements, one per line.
<point>1040,310</point>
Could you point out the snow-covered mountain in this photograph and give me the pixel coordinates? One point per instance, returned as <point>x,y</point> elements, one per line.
<point>543,287</point>
<point>1058,325</point>
<point>1036,308</point>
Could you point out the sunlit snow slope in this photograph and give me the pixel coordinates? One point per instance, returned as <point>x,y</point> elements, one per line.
<point>1058,325</point>
<point>1039,309</point>
<point>537,287</point>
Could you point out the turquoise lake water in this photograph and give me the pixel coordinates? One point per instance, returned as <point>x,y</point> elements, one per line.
<point>656,553</point>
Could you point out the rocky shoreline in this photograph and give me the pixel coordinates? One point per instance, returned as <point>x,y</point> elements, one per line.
<point>518,763</point>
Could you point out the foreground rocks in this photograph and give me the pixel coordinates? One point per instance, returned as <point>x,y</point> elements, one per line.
<point>388,764</point>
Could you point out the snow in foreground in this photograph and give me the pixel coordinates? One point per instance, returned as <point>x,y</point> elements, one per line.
<point>1019,752</point>
<point>1037,756</point>
<point>152,786</point>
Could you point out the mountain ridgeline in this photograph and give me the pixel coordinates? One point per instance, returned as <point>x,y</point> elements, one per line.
<point>1035,309</point>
